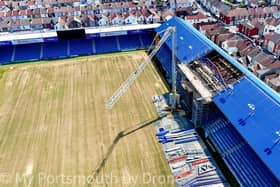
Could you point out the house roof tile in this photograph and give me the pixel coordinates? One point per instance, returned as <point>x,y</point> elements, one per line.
<point>242,44</point>
<point>196,17</point>
<point>46,20</point>
<point>224,37</point>
<point>275,38</point>
<point>263,58</point>
<point>15,23</point>
<point>50,10</point>
<point>15,13</point>
<point>24,22</point>
<point>208,26</point>
<point>23,12</point>
<point>29,11</point>
<point>269,77</point>
<point>274,65</point>
<point>2,14</point>
<point>36,21</point>
<point>253,52</point>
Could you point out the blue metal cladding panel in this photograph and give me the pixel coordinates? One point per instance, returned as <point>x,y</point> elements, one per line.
<point>202,42</point>
<point>6,53</point>
<point>5,43</point>
<point>256,116</point>
<point>80,46</point>
<point>27,52</point>
<point>190,46</point>
<point>147,39</point>
<point>106,44</point>
<point>129,42</point>
<point>53,50</point>
<point>164,56</point>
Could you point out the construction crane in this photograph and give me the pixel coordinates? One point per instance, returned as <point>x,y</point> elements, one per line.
<point>129,81</point>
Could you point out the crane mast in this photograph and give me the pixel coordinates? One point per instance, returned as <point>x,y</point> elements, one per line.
<point>173,70</point>
<point>129,81</point>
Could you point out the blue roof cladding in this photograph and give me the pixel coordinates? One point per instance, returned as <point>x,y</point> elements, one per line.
<point>189,45</point>
<point>257,118</point>
<point>201,45</point>
<point>260,129</point>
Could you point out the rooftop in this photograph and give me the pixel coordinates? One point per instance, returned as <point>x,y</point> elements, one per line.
<point>275,65</point>
<point>196,16</point>
<point>275,81</point>
<point>255,115</point>
<point>237,103</point>
<point>37,11</point>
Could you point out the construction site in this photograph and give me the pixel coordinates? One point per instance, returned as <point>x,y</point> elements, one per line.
<point>224,102</point>
<point>172,103</point>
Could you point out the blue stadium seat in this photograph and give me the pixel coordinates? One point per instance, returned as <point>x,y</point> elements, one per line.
<point>80,47</point>
<point>27,52</point>
<point>224,135</point>
<point>228,161</point>
<point>106,45</point>
<point>219,142</point>
<point>129,42</point>
<point>242,161</point>
<point>248,168</point>
<point>54,50</point>
<point>6,53</point>
<point>217,135</point>
<point>262,170</point>
<point>239,170</point>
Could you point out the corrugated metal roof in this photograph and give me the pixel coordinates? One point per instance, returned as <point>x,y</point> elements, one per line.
<point>263,123</point>
<point>192,31</point>
<point>189,45</point>
<point>256,116</point>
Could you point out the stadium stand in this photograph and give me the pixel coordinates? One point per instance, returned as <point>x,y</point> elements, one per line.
<point>146,39</point>
<point>221,133</point>
<point>189,47</point>
<point>53,50</point>
<point>80,47</point>
<point>46,45</point>
<point>132,43</point>
<point>245,130</point>
<point>106,44</point>
<point>237,106</point>
<point>6,53</point>
<point>27,52</point>
<point>238,154</point>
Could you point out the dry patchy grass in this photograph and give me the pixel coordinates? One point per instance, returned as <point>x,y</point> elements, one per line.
<point>53,123</point>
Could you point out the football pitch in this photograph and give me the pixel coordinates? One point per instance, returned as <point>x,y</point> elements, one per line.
<point>55,130</point>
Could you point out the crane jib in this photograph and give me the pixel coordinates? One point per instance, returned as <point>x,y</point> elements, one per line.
<point>133,76</point>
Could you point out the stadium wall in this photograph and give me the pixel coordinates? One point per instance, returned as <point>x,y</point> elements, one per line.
<point>54,48</point>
